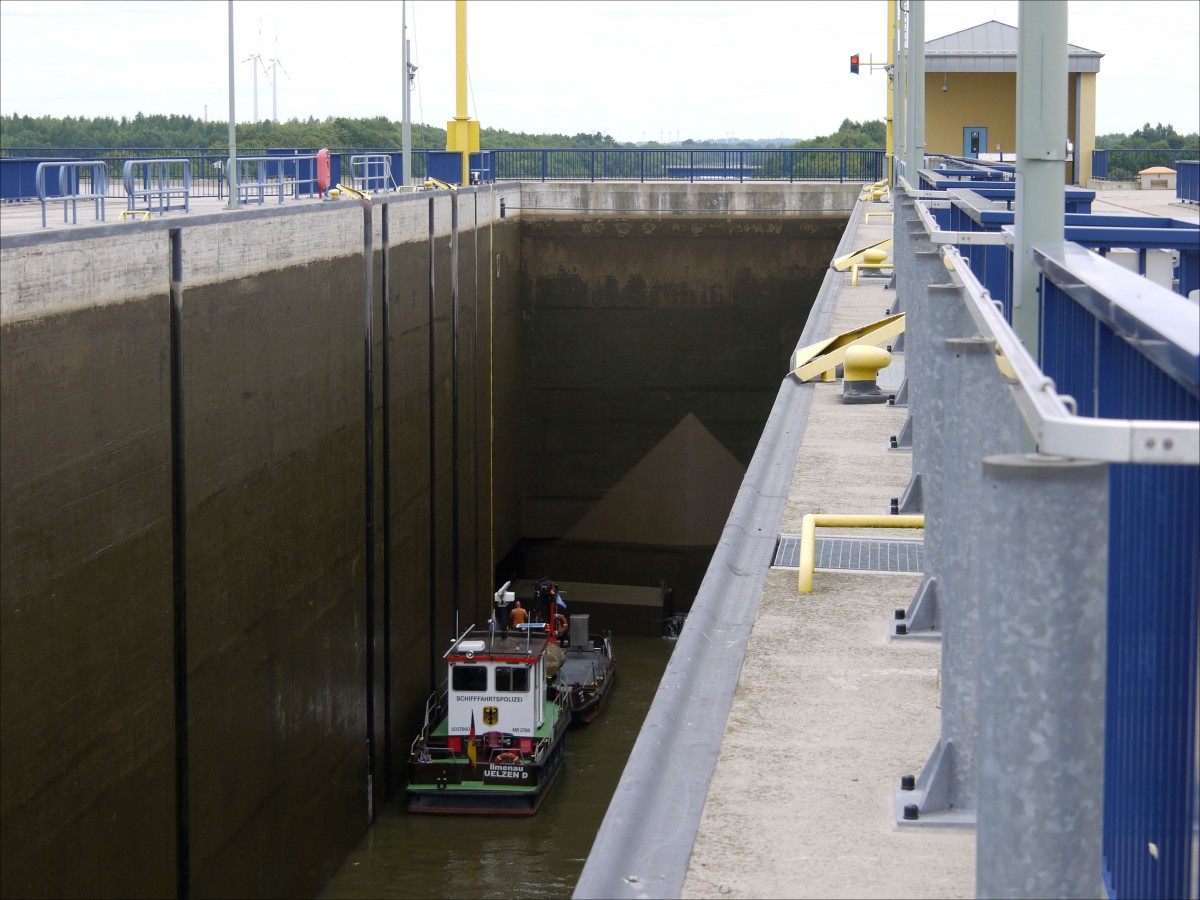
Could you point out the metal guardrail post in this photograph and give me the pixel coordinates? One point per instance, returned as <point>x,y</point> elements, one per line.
<point>155,176</point>
<point>908,291</point>
<point>69,186</point>
<point>940,315</point>
<point>915,121</point>
<point>1041,153</point>
<point>1042,706</point>
<point>982,419</point>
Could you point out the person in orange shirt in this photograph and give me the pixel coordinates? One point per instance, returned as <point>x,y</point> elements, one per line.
<point>518,616</point>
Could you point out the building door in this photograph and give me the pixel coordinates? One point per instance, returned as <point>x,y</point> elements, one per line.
<point>974,141</point>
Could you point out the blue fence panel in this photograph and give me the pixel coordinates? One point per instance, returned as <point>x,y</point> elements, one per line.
<point>642,164</point>
<point>18,177</point>
<point>1124,164</point>
<point>690,165</point>
<point>1154,601</point>
<point>1187,180</point>
<point>1150,783</point>
<point>971,211</point>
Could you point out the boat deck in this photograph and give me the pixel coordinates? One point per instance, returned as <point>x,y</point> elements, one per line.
<point>511,643</point>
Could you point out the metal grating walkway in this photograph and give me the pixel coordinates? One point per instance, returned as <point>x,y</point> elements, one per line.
<point>853,554</point>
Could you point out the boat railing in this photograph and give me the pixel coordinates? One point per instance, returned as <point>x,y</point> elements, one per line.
<point>435,702</point>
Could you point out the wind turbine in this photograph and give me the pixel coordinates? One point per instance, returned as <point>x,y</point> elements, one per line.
<point>257,59</point>
<point>275,61</point>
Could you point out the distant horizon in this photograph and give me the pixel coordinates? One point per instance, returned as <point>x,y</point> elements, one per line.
<point>649,70</point>
<point>662,141</point>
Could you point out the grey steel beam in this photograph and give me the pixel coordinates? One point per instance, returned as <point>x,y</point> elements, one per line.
<point>1043,582</point>
<point>1041,153</point>
<point>980,419</point>
<point>916,91</point>
<point>900,92</point>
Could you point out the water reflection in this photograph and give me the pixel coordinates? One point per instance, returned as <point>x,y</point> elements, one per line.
<point>405,856</point>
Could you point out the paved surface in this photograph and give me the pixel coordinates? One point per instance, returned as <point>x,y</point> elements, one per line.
<point>829,711</point>
<point>1144,203</point>
<point>22,218</point>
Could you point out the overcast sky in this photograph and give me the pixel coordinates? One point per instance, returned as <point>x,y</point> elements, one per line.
<point>635,69</point>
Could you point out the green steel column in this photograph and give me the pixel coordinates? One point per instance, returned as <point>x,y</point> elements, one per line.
<point>1041,153</point>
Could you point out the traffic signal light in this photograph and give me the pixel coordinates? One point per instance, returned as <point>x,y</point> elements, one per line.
<point>854,64</point>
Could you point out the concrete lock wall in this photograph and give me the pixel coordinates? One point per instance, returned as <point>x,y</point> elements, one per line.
<point>330,510</point>
<point>87,745</point>
<point>659,320</point>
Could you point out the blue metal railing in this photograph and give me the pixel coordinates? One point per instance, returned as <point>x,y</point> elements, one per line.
<point>1124,357</point>
<point>158,179</point>
<point>1124,164</point>
<point>71,181</point>
<point>372,172</point>
<point>1187,181</point>
<point>981,205</point>
<point>208,165</point>
<point>689,165</point>
<point>1128,352</point>
<point>19,165</point>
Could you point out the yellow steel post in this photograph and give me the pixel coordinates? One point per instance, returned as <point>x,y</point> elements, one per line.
<point>891,47</point>
<point>462,134</point>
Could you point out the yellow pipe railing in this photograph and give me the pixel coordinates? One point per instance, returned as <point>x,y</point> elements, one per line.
<point>808,535</point>
<point>854,269</point>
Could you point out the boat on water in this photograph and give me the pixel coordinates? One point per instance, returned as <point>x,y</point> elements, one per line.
<point>588,667</point>
<point>494,734</point>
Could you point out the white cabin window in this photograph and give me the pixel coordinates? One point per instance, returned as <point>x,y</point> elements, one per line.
<point>469,678</point>
<point>512,678</point>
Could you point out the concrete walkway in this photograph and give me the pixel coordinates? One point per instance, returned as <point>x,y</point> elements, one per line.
<point>829,710</point>
<point>26,217</point>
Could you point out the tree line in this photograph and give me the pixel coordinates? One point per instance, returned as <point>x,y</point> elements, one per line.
<point>186,132</point>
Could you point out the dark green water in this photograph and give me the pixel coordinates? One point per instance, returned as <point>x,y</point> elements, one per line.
<point>405,856</point>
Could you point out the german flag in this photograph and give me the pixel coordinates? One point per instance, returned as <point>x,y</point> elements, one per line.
<point>471,741</point>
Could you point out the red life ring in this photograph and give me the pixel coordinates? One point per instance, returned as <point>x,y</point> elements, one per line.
<point>507,758</point>
<point>560,624</point>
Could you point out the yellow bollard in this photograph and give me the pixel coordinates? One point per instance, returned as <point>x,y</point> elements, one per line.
<point>860,374</point>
